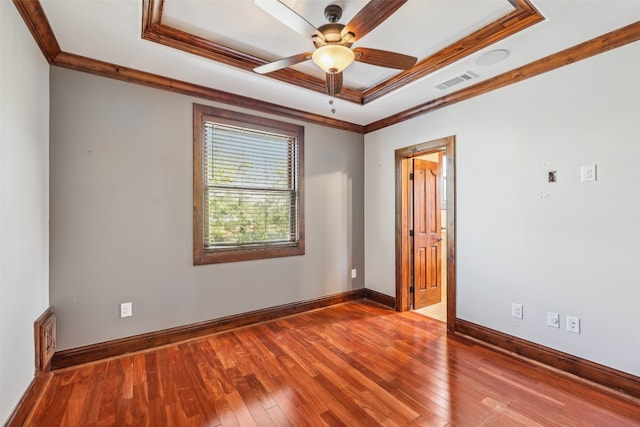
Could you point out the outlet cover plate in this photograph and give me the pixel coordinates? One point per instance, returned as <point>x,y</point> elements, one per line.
<point>588,173</point>
<point>573,324</point>
<point>126,309</point>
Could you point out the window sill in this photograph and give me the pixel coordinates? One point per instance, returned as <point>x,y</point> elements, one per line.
<point>217,257</point>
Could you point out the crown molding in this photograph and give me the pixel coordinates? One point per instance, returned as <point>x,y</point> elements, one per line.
<point>118,72</point>
<point>37,22</point>
<point>595,46</point>
<point>523,16</point>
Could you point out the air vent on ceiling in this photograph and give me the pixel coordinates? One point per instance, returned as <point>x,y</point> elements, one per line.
<point>457,79</point>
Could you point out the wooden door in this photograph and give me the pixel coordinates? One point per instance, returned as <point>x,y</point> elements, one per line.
<point>427,243</point>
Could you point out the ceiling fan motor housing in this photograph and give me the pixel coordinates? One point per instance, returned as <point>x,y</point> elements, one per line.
<point>333,31</point>
<point>332,35</point>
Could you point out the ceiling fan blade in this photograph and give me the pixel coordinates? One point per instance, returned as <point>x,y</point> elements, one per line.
<point>334,83</point>
<point>384,58</point>
<point>283,63</point>
<point>287,16</point>
<point>372,15</point>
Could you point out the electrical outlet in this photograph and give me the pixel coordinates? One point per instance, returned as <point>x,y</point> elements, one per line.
<point>126,309</point>
<point>573,324</point>
<point>588,173</point>
<point>516,310</point>
<point>354,273</point>
<point>553,319</point>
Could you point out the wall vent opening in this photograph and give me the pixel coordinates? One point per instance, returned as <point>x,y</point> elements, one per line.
<point>456,80</point>
<point>45,340</point>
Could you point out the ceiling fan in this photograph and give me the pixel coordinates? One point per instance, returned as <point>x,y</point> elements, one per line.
<point>333,40</point>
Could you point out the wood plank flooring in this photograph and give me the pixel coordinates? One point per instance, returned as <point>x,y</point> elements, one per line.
<point>353,364</point>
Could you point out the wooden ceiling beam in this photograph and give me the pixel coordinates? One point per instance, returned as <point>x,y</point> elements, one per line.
<point>37,22</point>
<point>596,46</point>
<point>105,69</point>
<point>523,16</point>
<point>154,30</point>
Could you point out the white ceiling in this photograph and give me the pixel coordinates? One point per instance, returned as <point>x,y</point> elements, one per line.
<point>110,30</point>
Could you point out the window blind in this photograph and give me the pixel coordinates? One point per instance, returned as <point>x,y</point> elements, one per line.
<point>250,187</point>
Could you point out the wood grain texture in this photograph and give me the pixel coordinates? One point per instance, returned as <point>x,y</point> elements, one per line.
<point>403,227</point>
<point>37,22</point>
<point>596,46</point>
<point>352,364</point>
<point>374,13</point>
<point>380,298</point>
<point>334,84</point>
<point>452,281</point>
<point>283,63</point>
<point>608,377</point>
<point>384,58</point>
<point>198,46</point>
<point>105,69</point>
<point>524,16</point>
<point>90,353</point>
<point>154,30</point>
<point>403,206</point>
<point>369,17</point>
<point>44,332</point>
<point>29,400</point>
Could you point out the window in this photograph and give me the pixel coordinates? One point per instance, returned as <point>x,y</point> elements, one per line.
<point>247,187</point>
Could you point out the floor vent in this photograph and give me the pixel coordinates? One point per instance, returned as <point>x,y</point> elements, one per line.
<point>457,79</point>
<point>45,340</point>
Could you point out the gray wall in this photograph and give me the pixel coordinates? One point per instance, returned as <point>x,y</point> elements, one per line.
<point>576,252</point>
<point>121,217</point>
<point>24,202</point>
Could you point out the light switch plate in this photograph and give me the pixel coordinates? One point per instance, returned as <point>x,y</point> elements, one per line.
<point>553,319</point>
<point>516,310</point>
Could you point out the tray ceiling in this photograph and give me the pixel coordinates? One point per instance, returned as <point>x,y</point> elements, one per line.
<point>183,40</point>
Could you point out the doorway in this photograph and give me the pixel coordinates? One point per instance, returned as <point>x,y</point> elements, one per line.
<point>429,234</point>
<point>425,240</point>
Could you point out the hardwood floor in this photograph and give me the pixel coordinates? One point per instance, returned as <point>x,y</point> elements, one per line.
<point>353,364</point>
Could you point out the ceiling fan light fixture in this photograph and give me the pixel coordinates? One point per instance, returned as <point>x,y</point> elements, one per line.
<point>333,58</point>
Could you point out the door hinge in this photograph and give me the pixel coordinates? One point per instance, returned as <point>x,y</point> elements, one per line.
<point>411,288</point>
<point>410,233</point>
<point>411,177</point>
